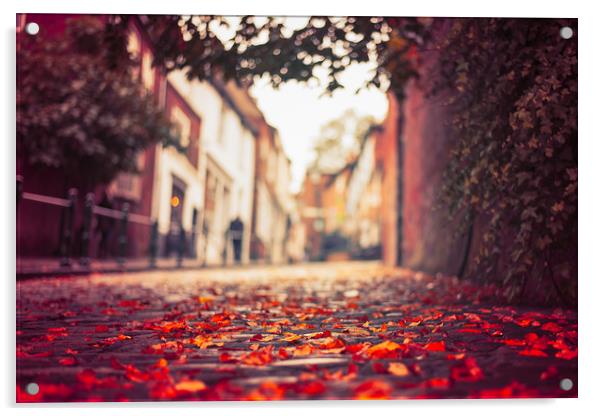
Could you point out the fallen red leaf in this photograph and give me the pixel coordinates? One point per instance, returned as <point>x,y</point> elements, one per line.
<point>312,388</point>
<point>260,357</point>
<point>385,349</point>
<point>435,346</point>
<point>373,390</point>
<point>533,352</point>
<point>466,371</point>
<point>67,361</point>
<point>101,328</point>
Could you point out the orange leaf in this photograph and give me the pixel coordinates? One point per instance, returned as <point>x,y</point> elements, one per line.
<point>383,349</point>
<point>358,332</point>
<point>303,350</point>
<point>260,357</point>
<point>268,390</point>
<point>398,369</point>
<point>190,386</point>
<point>291,337</point>
<point>373,390</point>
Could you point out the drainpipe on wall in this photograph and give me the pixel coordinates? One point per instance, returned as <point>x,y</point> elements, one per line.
<point>399,190</point>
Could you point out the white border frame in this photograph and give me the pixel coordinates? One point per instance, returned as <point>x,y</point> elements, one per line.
<point>590,215</point>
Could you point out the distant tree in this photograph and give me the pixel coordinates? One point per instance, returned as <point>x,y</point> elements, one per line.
<point>338,139</point>
<point>80,112</point>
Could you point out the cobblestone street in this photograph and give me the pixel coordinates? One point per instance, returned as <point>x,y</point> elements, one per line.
<point>318,331</point>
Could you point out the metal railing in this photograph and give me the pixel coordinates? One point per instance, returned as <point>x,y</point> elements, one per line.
<point>90,209</point>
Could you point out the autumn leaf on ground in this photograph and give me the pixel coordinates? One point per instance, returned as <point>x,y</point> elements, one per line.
<point>467,371</point>
<point>68,361</point>
<point>291,337</point>
<point>398,369</point>
<point>373,390</point>
<point>312,388</point>
<point>303,350</point>
<point>357,332</point>
<point>533,352</point>
<point>328,343</point>
<point>171,326</point>
<point>262,338</point>
<point>435,346</point>
<point>567,354</point>
<point>260,357</point>
<point>190,386</point>
<point>383,350</point>
<point>267,391</point>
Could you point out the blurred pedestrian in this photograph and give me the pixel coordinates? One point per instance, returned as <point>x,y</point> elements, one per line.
<point>236,231</point>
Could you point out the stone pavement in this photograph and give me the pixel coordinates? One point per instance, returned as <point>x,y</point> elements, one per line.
<point>37,267</point>
<point>316,331</point>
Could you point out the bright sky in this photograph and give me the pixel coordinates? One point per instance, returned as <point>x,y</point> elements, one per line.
<point>298,111</point>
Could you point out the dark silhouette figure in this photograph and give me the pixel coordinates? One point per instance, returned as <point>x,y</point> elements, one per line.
<point>236,231</point>
<point>105,227</point>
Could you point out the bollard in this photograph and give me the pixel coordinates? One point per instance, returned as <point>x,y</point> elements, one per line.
<point>87,229</point>
<point>153,246</point>
<point>67,232</point>
<point>181,245</point>
<point>123,234</point>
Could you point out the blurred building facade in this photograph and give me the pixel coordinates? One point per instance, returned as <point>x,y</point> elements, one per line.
<point>364,200</point>
<point>226,167</point>
<point>234,167</point>
<point>322,205</point>
<point>273,202</point>
<point>353,212</point>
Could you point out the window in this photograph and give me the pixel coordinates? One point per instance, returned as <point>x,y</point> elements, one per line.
<point>222,124</point>
<point>129,185</point>
<point>148,74</point>
<point>182,125</point>
<point>272,166</point>
<point>133,45</point>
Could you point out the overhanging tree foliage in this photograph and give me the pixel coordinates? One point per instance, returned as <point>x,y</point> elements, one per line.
<point>249,47</point>
<point>77,111</point>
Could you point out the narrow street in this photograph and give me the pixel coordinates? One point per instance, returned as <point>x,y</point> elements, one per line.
<point>317,331</point>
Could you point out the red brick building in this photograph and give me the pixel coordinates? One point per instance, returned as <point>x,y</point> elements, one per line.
<point>39,225</point>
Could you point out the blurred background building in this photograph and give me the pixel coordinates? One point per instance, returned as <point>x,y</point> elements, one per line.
<point>234,167</point>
